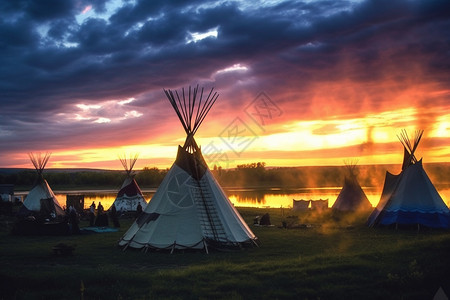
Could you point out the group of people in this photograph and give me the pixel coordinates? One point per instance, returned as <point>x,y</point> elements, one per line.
<point>101,218</point>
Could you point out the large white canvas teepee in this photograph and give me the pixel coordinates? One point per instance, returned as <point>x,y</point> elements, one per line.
<point>130,195</point>
<point>352,196</point>
<point>410,197</point>
<point>189,209</point>
<point>41,201</point>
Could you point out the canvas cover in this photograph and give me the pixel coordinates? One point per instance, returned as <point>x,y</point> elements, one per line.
<point>319,204</point>
<point>410,198</point>
<point>390,182</point>
<point>129,196</point>
<point>41,200</point>
<point>189,210</point>
<point>300,205</point>
<point>351,197</point>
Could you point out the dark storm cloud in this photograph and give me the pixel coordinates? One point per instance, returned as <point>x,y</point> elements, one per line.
<point>49,62</point>
<point>104,46</point>
<point>38,10</point>
<point>402,41</point>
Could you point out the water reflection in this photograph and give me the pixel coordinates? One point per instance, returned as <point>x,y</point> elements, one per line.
<point>283,198</point>
<point>106,197</point>
<point>248,197</point>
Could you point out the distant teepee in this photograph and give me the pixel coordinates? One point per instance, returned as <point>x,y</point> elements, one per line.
<point>41,201</point>
<point>410,198</point>
<point>189,209</point>
<point>130,195</point>
<point>352,196</point>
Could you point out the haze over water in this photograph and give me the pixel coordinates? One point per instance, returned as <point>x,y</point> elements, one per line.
<point>274,198</point>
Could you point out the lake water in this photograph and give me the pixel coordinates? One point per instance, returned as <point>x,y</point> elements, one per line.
<point>248,197</point>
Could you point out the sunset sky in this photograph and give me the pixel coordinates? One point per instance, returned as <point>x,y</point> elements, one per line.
<point>300,82</point>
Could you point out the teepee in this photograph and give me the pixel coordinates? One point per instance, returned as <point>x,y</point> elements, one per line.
<point>41,201</point>
<point>410,197</point>
<point>130,195</point>
<point>189,210</point>
<point>352,196</point>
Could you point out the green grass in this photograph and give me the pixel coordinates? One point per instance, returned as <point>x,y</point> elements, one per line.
<point>337,258</point>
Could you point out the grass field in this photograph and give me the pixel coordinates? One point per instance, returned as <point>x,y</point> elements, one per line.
<point>335,258</point>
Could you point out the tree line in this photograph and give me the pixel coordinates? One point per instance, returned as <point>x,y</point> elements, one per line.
<point>257,174</point>
<point>149,177</point>
<point>244,175</point>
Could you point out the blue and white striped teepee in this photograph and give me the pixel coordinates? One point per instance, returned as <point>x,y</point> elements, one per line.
<point>410,197</point>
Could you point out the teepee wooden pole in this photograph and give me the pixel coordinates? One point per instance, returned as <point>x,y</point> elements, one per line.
<point>39,162</point>
<point>191,111</point>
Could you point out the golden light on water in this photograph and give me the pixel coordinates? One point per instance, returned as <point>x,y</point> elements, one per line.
<point>285,199</point>
<point>274,198</point>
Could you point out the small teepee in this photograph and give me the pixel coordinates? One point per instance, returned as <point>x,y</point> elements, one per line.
<point>41,201</point>
<point>410,197</point>
<point>352,196</point>
<point>130,195</point>
<point>189,210</point>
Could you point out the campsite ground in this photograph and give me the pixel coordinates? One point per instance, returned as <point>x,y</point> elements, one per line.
<point>334,258</point>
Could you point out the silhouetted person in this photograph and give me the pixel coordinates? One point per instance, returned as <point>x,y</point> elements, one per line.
<point>102,218</point>
<point>100,208</point>
<point>114,217</point>
<point>73,220</point>
<point>92,214</point>
<point>138,209</point>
